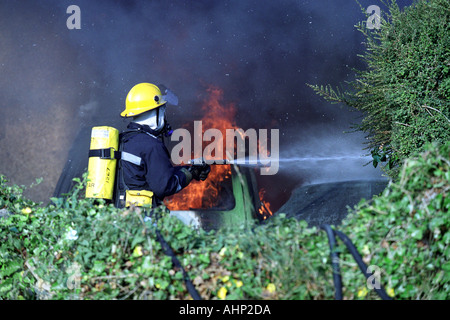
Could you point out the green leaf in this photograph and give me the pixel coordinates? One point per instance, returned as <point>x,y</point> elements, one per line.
<point>417,234</point>
<point>99,267</point>
<point>137,240</point>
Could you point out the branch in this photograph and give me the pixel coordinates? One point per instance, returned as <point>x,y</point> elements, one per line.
<point>428,107</point>
<point>403,124</point>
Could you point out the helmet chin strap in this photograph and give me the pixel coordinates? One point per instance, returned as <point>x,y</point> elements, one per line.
<point>153,118</point>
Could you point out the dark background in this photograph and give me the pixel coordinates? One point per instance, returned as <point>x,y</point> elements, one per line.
<point>57,83</point>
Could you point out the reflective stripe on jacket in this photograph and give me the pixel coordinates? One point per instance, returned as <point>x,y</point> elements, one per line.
<point>146,164</point>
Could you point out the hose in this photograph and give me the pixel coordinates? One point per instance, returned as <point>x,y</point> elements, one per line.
<point>362,266</point>
<point>355,254</point>
<point>337,278</point>
<point>334,261</point>
<point>167,249</point>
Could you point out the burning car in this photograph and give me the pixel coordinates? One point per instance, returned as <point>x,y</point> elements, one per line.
<point>233,200</point>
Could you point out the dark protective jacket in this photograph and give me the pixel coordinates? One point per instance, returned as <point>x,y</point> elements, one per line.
<point>145,164</point>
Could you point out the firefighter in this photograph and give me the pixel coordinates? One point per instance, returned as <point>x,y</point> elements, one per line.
<point>145,173</point>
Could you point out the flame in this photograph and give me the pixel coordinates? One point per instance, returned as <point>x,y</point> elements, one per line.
<point>205,194</point>
<point>264,210</point>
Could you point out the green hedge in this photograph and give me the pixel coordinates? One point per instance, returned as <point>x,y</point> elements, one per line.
<point>77,249</point>
<point>403,92</point>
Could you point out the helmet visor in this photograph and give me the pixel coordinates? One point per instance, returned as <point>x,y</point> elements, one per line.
<point>168,95</point>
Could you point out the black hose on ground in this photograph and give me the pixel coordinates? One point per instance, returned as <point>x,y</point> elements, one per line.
<point>334,261</point>
<point>355,254</point>
<point>362,266</point>
<point>167,249</point>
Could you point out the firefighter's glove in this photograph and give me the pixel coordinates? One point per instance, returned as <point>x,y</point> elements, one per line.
<point>200,171</point>
<point>206,169</point>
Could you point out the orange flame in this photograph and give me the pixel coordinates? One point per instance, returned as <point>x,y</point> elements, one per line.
<point>205,194</point>
<point>264,210</point>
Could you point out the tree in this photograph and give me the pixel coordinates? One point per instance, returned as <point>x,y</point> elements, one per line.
<point>403,93</point>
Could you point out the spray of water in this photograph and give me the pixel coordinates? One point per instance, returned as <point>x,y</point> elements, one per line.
<point>255,162</point>
<point>328,158</point>
<point>292,161</point>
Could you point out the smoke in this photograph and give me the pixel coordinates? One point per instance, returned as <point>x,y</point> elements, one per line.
<point>39,96</point>
<point>88,110</point>
<point>57,83</point>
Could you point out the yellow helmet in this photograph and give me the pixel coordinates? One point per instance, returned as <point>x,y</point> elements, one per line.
<point>141,98</point>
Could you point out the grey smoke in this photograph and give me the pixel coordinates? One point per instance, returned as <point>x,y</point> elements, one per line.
<point>261,53</point>
<point>88,109</point>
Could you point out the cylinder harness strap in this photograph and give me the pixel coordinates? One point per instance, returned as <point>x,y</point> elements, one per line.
<point>112,154</point>
<point>108,153</point>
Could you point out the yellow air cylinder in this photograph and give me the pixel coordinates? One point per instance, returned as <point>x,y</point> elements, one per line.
<point>102,164</point>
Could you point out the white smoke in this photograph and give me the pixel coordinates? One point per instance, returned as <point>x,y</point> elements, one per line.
<point>88,110</point>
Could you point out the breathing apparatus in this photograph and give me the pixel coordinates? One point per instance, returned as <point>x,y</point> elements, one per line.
<point>102,164</point>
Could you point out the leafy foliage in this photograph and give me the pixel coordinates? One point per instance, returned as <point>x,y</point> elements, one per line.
<point>404,91</point>
<point>406,230</point>
<point>76,248</point>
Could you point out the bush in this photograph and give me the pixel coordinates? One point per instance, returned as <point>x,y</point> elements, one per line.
<point>76,248</point>
<point>404,91</point>
<point>406,231</point>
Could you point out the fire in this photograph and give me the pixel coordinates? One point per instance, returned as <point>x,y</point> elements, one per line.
<point>264,210</point>
<point>205,194</point>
